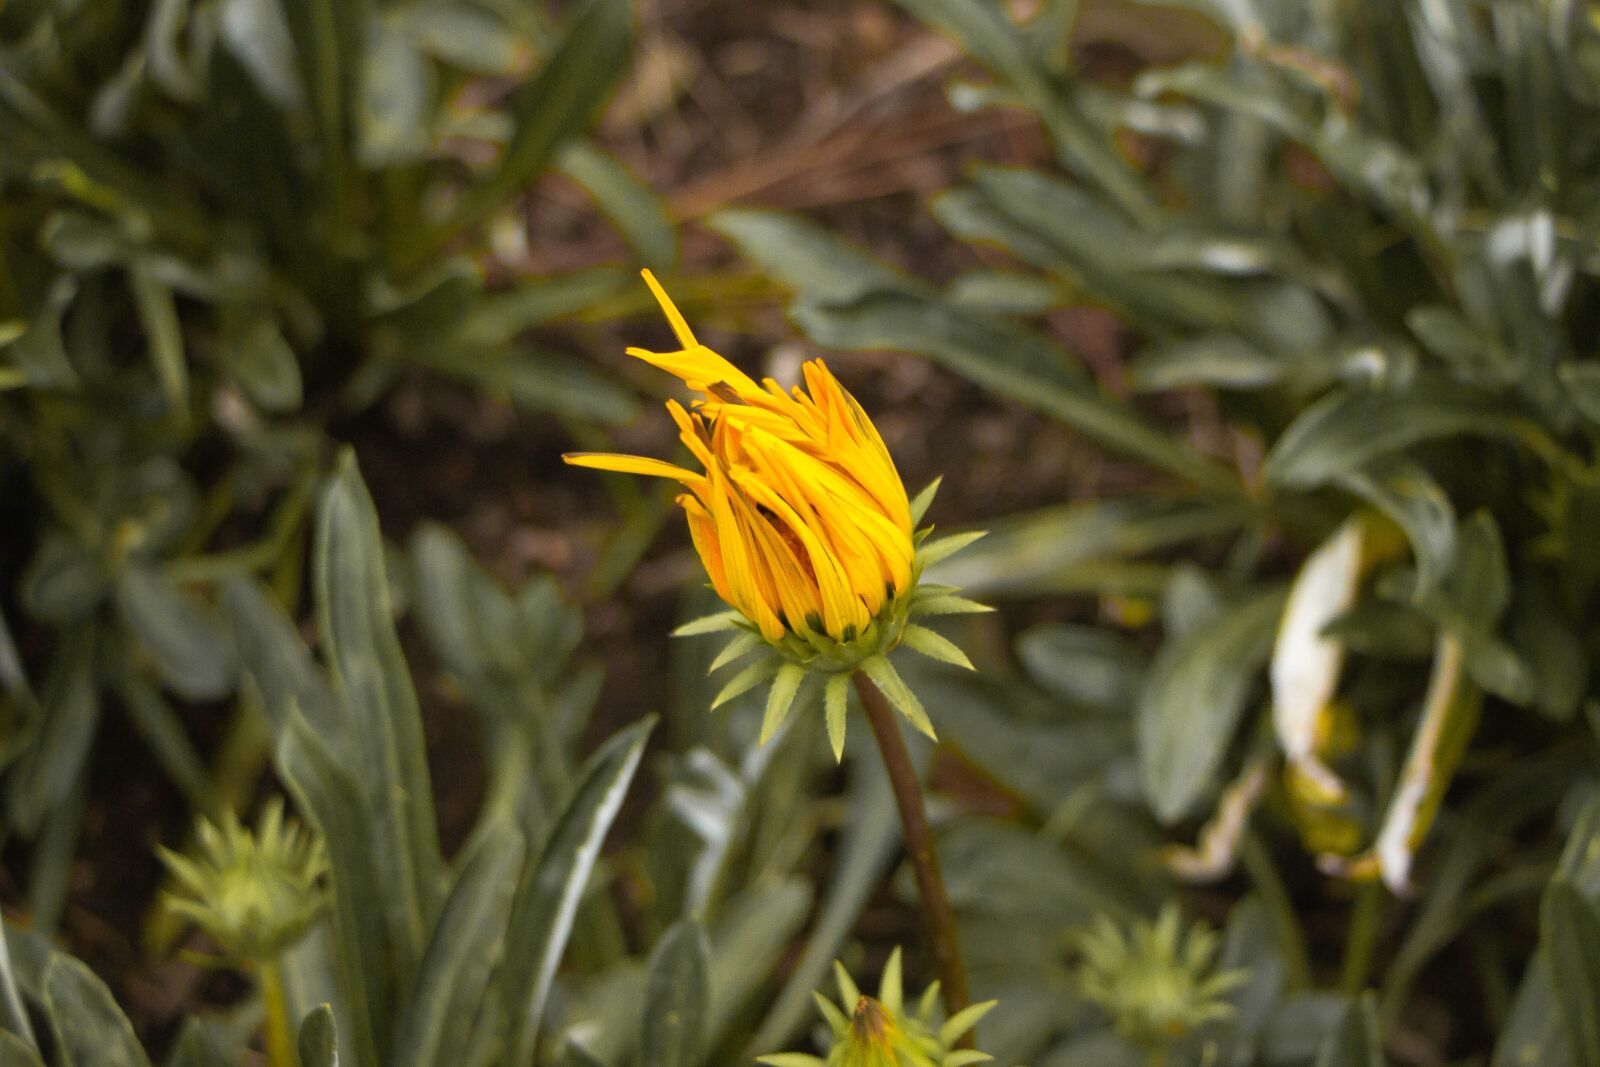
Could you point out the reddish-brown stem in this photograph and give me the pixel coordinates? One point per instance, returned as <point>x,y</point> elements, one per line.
<point>938,917</point>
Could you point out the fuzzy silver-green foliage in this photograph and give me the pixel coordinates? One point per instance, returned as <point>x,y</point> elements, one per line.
<point>1367,242</point>
<point>226,222</point>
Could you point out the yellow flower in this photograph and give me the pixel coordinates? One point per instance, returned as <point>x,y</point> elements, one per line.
<point>805,529</point>
<point>798,512</point>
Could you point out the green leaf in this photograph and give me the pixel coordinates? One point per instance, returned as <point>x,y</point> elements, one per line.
<point>90,1029</point>
<point>330,797</point>
<point>836,703</point>
<point>536,379</point>
<point>318,1043</point>
<point>256,354</point>
<point>780,698</point>
<point>1073,547</point>
<point>497,318</point>
<point>15,1052</point>
<point>1007,292</point>
<point>894,688</point>
<point>677,999</point>
<point>1191,705</point>
<point>200,1044</point>
<point>13,1013</point>
<point>191,651</point>
<point>552,885</point>
<point>168,738</point>
<point>329,40</point>
<point>48,772</point>
<point>1350,428</point>
<point>847,301</point>
<point>986,32</point>
<point>1570,941</point>
<point>756,929</point>
<point>467,943</point>
<point>40,353</point>
<point>1086,665</point>
<point>1582,381</point>
<point>158,314</point>
<point>1409,495</point>
<point>637,210</point>
<point>279,665</point>
<point>557,102</point>
<point>1356,1042</point>
<point>374,686</point>
<point>395,107</point>
<point>464,35</point>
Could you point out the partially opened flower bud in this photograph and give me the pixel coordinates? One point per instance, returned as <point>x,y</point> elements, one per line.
<point>885,1031</point>
<point>254,893</point>
<point>803,524</point>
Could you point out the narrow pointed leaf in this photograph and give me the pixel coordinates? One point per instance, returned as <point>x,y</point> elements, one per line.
<point>328,796</point>
<point>467,943</point>
<point>552,886</point>
<point>677,999</point>
<point>318,1043</point>
<point>91,1030</point>
<point>374,684</point>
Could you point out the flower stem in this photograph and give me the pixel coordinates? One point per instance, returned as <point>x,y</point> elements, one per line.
<point>280,1041</point>
<point>938,917</point>
<point>1362,938</point>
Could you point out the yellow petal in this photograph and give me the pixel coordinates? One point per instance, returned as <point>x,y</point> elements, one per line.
<point>680,325</point>
<point>612,461</point>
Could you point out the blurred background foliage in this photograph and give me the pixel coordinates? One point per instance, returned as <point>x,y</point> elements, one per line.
<point>1282,749</point>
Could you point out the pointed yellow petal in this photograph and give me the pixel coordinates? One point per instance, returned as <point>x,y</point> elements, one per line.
<point>680,325</point>
<point>612,461</point>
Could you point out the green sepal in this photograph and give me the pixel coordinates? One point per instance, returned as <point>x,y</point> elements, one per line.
<point>949,605</point>
<point>921,502</point>
<point>791,1059</point>
<point>894,688</point>
<point>780,698</point>
<point>945,547</point>
<point>964,1020</point>
<point>837,1021</point>
<point>738,648</point>
<point>836,702</point>
<point>935,645</point>
<point>848,993</point>
<point>711,624</point>
<point>891,989</point>
<point>746,680</point>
